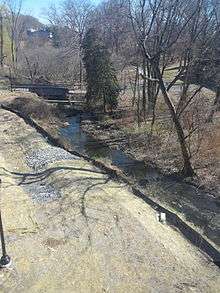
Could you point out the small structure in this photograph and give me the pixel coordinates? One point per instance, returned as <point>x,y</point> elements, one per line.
<point>42,34</point>
<point>48,91</point>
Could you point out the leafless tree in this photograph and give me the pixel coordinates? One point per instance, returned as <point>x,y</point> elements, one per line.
<point>15,27</point>
<point>41,63</point>
<point>74,16</point>
<point>159,26</point>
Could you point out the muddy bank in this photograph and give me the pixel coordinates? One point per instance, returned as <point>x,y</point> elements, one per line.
<point>191,218</point>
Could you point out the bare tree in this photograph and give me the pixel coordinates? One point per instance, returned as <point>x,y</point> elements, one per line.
<point>76,15</point>
<point>110,19</point>
<point>41,63</point>
<point>158,36</point>
<point>15,27</point>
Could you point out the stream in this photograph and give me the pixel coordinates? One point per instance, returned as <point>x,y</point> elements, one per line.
<point>87,145</point>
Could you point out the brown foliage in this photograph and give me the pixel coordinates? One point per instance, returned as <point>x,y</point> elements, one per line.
<point>34,107</point>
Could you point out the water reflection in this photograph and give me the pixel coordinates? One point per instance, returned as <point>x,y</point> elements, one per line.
<point>87,145</point>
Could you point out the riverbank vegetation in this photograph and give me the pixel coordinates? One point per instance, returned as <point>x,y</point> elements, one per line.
<point>164,58</point>
<point>33,107</point>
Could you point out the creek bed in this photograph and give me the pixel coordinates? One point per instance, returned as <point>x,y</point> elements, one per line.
<point>87,145</point>
<point>195,205</point>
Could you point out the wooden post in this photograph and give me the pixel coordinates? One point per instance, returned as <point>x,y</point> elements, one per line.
<point>5,260</point>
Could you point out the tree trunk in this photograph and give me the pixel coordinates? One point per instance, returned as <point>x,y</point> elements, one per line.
<point>151,90</point>
<point>135,86</point>
<point>104,103</point>
<point>216,106</point>
<point>217,99</point>
<point>144,95</point>
<point>138,101</point>
<point>12,47</point>
<point>187,167</point>
<point>12,52</point>
<point>80,73</point>
<point>2,40</point>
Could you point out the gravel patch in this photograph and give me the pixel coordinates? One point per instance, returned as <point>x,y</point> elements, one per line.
<point>42,192</point>
<point>39,159</point>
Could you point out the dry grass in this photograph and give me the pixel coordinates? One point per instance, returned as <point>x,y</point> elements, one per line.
<point>36,108</point>
<point>164,148</point>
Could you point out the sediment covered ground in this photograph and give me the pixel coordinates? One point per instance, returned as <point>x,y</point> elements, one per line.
<point>70,228</point>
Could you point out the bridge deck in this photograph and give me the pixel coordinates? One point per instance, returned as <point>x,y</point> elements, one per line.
<point>64,101</point>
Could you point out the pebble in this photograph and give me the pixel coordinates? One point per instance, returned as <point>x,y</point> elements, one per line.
<point>42,192</point>
<point>39,159</point>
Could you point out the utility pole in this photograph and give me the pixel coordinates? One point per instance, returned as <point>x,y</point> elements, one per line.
<point>5,260</point>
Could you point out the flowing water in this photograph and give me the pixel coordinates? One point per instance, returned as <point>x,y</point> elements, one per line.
<point>87,145</point>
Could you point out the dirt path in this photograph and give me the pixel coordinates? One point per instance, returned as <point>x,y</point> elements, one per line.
<point>72,229</point>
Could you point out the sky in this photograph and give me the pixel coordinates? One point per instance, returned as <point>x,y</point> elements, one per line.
<point>38,8</point>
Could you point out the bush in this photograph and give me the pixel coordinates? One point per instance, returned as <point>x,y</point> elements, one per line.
<point>34,107</point>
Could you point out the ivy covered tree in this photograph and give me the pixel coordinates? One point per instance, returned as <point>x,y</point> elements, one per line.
<point>102,83</point>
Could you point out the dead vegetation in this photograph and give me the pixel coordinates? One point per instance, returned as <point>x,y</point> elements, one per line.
<point>159,145</point>
<point>36,108</point>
